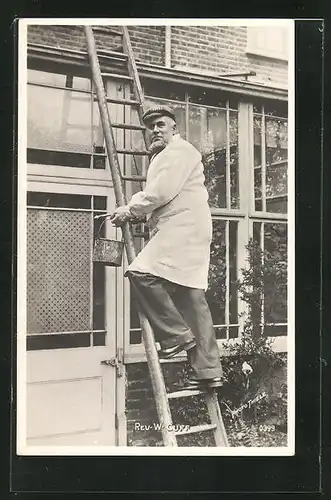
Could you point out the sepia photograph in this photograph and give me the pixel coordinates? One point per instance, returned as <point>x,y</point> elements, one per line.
<point>155,299</point>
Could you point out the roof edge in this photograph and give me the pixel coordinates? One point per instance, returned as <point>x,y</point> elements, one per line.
<point>231,85</point>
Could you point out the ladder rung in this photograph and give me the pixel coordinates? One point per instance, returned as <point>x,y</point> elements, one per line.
<point>133,152</point>
<point>106,30</point>
<point>137,178</point>
<point>185,393</point>
<point>107,54</point>
<point>120,101</point>
<point>128,126</point>
<point>196,428</point>
<point>140,235</point>
<point>117,76</point>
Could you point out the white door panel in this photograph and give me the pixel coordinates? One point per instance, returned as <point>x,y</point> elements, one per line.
<point>69,392</point>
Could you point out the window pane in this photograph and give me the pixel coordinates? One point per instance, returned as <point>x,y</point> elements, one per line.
<point>208,133</point>
<point>275,273</point>
<point>233,291</point>
<point>99,150</point>
<point>234,159</point>
<point>223,302</point>
<point>257,125</point>
<point>257,232</point>
<point>67,341</point>
<point>275,330</point>
<point>166,90</point>
<point>276,165</point>
<point>37,199</point>
<point>46,78</point>
<point>233,332</point>
<point>59,120</point>
<point>216,292</point>
<point>258,188</point>
<point>59,79</point>
<point>133,164</point>
<point>270,163</point>
<point>134,317</point>
<point>211,97</point>
<point>221,332</point>
<point>135,337</point>
<point>100,202</point>
<point>45,157</point>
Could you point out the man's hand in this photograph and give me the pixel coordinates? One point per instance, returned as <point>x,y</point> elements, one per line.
<point>121,216</point>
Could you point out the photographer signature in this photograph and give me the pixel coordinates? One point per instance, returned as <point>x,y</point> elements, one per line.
<point>248,404</point>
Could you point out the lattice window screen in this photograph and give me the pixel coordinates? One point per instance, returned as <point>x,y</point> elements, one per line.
<point>58,271</point>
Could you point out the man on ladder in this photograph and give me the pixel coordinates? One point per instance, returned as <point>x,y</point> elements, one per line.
<point>170,274</point>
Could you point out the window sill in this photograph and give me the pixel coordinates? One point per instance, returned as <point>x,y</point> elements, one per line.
<point>279,345</point>
<point>274,216</point>
<point>267,55</point>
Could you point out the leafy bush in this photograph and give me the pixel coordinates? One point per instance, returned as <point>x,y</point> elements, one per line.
<point>263,287</point>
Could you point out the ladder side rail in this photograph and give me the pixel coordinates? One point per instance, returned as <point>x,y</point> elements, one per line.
<point>133,71</point>
<point>159,389</point>
<point>216,418</point>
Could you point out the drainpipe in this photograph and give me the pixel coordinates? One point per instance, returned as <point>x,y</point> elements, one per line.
<point>168,46</point>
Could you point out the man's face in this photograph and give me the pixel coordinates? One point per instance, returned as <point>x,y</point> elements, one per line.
<point>161,130</point>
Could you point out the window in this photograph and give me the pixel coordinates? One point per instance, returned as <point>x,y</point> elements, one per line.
<point>65,290</point>
<point>272,240</point>
<point>269,218</point>
<point>222,291</point>
<point>214,131</point>
<point>268,41</point>
<point>270,162</point>
<point>63,124</point>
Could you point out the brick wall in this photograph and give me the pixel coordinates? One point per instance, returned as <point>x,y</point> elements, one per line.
<point>218,49</point>
<point>222,49</point>
<point>147,41</point>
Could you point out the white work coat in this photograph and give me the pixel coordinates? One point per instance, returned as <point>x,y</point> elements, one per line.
<point>175,201</point>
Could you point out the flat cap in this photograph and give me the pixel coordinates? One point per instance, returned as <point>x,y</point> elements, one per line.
<point>157,111</point>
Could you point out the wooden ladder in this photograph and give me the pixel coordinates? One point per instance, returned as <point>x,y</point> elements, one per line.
<point>162,398</point>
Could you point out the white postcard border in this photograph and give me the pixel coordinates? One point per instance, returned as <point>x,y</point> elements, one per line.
<point>21,447</point>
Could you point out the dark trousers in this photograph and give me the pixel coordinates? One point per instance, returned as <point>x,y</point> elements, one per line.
<point>178,314</point>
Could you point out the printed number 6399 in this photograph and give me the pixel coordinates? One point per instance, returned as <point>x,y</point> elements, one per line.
<point>266,428</point>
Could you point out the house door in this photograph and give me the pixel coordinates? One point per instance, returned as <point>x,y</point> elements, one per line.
<point>71,320</point>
